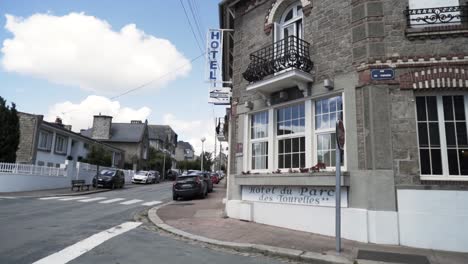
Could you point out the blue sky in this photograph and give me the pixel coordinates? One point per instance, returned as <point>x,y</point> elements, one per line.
<point>181,102</point>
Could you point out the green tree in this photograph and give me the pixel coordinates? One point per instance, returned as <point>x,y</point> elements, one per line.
<point>186,165</point>
<point>207,161</point>
<point>9,131</point>
<point>156,160</point>
<point>99,156</point>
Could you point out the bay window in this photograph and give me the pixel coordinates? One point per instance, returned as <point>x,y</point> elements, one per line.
<point>442,136</point>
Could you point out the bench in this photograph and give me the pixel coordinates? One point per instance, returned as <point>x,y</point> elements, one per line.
<point>79,184</point>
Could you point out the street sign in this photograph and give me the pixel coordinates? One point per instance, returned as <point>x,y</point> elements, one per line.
<point>340,134</point>
<point>382,74</point>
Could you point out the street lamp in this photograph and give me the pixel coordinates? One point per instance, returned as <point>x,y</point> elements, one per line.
<point>201,158</point>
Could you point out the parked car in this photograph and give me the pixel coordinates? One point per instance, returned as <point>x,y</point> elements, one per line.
<point>157,176</point>
<point>190,185</point>
<point>215,178</point>
<point>172,174</point>
<point>109,178</point>
<point>145,177</point>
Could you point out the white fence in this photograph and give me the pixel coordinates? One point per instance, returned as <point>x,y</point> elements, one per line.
<point>16,168</point>
<point>26,177</point>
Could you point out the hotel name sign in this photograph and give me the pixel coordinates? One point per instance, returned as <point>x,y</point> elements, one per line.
<point>303,195</point>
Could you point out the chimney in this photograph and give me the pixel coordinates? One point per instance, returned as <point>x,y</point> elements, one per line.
<point>135,122</point>
<point>102,125</point>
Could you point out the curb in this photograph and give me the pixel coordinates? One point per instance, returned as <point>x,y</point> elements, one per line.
<point>277,251</point>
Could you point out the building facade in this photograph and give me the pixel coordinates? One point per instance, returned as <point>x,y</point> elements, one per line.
<point>131,137</point>
<point>395,72</point>
<point>51,144</point>
<point>184,151</point>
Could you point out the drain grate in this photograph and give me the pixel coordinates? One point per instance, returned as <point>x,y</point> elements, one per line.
<point>392,257</point>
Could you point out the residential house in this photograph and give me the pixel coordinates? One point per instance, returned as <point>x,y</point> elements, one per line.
<point>184,151</point>
<point>131,137</point>
<point>50,144</point>
<point>395,72</point>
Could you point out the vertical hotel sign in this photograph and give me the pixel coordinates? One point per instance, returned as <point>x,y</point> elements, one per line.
<point>219,95</point>
<point>214,55</point>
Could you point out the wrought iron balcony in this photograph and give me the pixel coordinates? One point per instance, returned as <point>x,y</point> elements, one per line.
<point>449,15</point>
<point>289,53</point>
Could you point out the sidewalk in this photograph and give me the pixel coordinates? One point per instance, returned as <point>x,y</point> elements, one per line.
<point>203,220</point>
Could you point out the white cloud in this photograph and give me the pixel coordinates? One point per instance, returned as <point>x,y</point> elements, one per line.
<point>82,50</point>
<point>80,115</point>
<point>192,131</point>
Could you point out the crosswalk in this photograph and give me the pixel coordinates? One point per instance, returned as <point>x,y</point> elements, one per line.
<point>101,200</point>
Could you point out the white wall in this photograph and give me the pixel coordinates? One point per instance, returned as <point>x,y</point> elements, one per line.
<point>357,224</point>
<point>28,182</point>
<point>50,157</point>
<point>435,219</point>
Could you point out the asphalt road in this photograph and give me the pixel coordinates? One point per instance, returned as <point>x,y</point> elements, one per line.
<point>33,229</point>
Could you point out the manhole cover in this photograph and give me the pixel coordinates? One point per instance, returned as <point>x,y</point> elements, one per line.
<point>392,257</point>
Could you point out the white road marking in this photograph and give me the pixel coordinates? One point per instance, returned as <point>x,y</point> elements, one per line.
<point>92,199</point>
<point>112,200</point>
<point>7,197</point>
<point>152,203</point>
<point>72,252</point>
<point>132,201</point>
<point>51,198</point>
<point>74,198</point>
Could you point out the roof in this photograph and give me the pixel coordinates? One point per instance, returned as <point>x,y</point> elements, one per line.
<point>122,132</point>
<point>159,132</point>
<point>184,145</point>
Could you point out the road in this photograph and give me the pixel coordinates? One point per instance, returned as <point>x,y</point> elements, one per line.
<point>55,229</point>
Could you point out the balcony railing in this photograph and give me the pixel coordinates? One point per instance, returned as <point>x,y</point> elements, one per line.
<point>449,15</point>
<point>289,53</point>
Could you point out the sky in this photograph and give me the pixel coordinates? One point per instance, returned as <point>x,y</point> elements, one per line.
<point>78,58</point>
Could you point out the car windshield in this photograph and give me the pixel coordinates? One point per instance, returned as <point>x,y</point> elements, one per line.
<point>107,172</point>
<point>194,173</point>
<point>142,173</point>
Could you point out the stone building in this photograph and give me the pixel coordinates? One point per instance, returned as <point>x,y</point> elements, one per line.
<point>162,137</point>
<point>395,72</point>
<point>49,144</point>
<point>132,137</point>
<point>184,151</point>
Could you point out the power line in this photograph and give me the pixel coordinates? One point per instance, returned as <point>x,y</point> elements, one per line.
<point>147,83</point>
<point>190,24</point>
<point>197,24</point>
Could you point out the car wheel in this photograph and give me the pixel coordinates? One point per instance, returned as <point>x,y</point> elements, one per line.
<point>174,197</point>
<point>113,186</point>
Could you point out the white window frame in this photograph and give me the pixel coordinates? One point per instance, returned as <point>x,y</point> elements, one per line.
<point>258,140</point>
<point>48,138</point>
<point>277,138</point>
<point>327,131</point>
<point>309,134</point>
<point>442,136</point>
<point>64,145</point>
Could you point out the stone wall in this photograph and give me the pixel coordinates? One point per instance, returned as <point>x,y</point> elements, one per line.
<point>29,124</point>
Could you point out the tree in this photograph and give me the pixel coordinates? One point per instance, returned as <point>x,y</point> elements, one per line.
<point>9,131</point>
<point>207,161</point>
<point>156,160</point>
<point>186,165</point>
<point>99,156</point>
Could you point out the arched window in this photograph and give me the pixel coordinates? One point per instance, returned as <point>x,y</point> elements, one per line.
<point>290,23</point>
